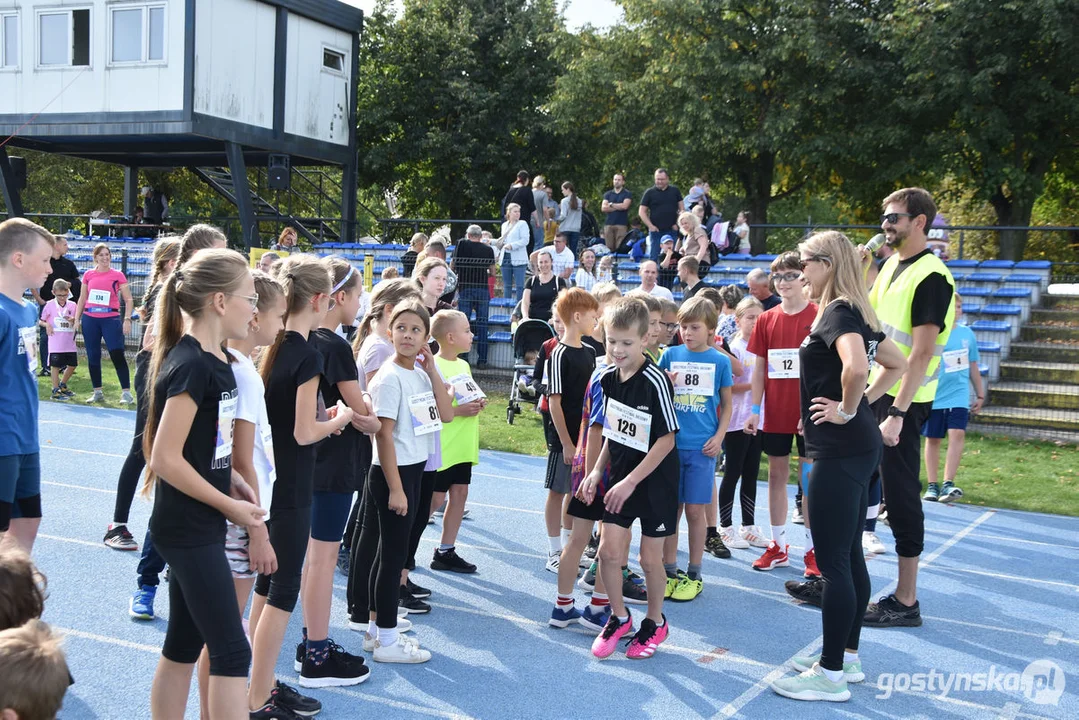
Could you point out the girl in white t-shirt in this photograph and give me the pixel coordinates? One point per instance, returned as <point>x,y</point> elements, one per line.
<point>741,229</point>
<point>410,403</point>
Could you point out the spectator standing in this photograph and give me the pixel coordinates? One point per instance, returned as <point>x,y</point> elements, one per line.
<point>760,287</point>
<point>649,275</point>
<point>415,246</point>
<point>286,241</point>
<point>62,269</point>
<point>741,229</point>
<point>660,207</point>
<point>513,252</point>
<point>520,192</point>
<point>694,241</point>
<point>155,206</point>
<point>616,204</point>
<point>474,263</point>
<point>539,199</point>
<point>569,216</point>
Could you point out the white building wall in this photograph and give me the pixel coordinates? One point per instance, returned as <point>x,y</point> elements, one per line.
<point>316,98</point>
<point>234,60</point>
<point>101,87</point>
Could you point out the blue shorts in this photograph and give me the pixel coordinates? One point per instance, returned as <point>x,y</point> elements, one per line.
<point>329,515</point>
<point>945,419</point>
<point>20,487</point>
<point>696,477</point>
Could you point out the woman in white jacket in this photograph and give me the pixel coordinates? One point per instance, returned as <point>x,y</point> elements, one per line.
<point>513,252</point>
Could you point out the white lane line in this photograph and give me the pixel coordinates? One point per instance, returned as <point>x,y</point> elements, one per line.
<point>76,541</point>
<point>504,507</point>
<point>107,639</point>
<point>48,446</point>
<point>1006,539</point>
<point>77,487</point>
<point>735,706</point>
<point>129,430</point>
<point>1003,576</point>
<point>1055,635</point>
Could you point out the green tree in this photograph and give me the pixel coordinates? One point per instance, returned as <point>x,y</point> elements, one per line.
<point>450,98</point>
<point>1003,74</point>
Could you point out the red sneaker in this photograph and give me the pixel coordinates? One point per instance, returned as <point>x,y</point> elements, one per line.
<point>811,565</point>
<point>772,558</point>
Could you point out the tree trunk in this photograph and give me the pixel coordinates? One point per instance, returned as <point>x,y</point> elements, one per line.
<point>1012,212</point>
<point>756,176</point>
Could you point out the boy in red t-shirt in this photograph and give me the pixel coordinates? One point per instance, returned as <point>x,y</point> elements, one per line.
<point>776,338</point>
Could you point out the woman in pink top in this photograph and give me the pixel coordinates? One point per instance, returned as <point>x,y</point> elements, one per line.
<point>99,316</point>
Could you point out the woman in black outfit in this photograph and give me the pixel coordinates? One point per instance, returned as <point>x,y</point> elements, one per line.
<point>542,290</point>
<point>843,439</point>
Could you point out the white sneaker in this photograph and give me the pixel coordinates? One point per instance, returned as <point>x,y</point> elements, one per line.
<point>552,562</point>
<point>871,544</point>
<point>796,516</point>
<point>402,612</point>
<point>732,539</point>
<point>406,650</point>
<point>369,639</point>
<point>126,398</point>
<point>97,397</point>
<point>753,535</point>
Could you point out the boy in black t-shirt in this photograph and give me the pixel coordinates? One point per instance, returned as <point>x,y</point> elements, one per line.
<point>569,367</point>
<point>639,427</point>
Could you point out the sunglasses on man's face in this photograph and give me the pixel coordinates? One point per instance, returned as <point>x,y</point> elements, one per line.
<point>893,218</point>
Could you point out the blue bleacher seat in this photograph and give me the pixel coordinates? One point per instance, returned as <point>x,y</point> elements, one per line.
<point>1013,314</point>
<point>962,264</point>
<point>498,320</point>
<point>997,264</point>
<point>993,331</point>
<point>503,302</point>
<point>982,277</point>
<point>969,291</point>
<point>990,354</point>
<point>501,336</point>
<point>1033,265</point>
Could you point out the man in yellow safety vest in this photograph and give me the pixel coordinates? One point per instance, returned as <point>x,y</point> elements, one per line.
<point>913,296</point>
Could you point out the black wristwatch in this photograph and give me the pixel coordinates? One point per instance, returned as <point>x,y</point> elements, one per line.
<point>893,411</point>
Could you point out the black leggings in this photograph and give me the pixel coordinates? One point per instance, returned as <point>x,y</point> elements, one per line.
<point>839,493</point>
<point>364,467</point>
<point>900,470</point>
<point>135,462</point>
<point>289,530</point>
<point>423,514</point>
<point>743,461</point>
<point>363,555</point>
<point>203,611</point>
<point>384,580</point>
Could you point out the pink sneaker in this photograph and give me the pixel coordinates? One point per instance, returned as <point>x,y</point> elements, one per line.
<point>607,641</point>
<point>647,639</point>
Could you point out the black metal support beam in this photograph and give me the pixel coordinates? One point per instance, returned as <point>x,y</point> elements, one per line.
<point>279,70</point>
<point>131,190</point>
<point>238,169</point>
<point>10,189</point>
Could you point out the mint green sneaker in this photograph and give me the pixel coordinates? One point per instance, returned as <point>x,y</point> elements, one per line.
<point>852,671</point>
<point>812,685</point>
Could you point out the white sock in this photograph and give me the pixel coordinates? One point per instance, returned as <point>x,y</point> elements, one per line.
<point>809,540</point>
<point>117,525</point>
<point>872,511</point>
<point>554,544</point>
<point>833,675</point>
<point>565,537</point>
<point>387,636</point>
<point>850,657</point>
<point>372,628</point>
<point>779,535</point>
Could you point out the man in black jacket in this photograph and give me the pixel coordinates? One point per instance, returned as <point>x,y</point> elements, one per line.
<point>520,192</point>
<point>62,269</point>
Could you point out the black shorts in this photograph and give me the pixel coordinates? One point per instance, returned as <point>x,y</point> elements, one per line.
<point>593,512</point>
<point>652,526</point>
<point>779,444</point>
<point>459,474</point>
<point>63,360</point>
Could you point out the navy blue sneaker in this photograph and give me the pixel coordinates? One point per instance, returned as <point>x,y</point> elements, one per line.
<point>142,603</point>
<point>562,617</point>
<point>594,618</point>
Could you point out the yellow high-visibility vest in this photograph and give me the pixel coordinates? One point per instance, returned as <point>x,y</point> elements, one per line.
<point>892,302</point>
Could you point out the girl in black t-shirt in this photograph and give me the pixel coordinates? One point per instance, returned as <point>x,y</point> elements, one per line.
<point>339,473</point>
<point>842,438</point>
<point>291,369</point>
<point>188,440</point>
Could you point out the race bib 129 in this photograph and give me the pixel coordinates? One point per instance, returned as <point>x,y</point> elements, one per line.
<point>627,426</point>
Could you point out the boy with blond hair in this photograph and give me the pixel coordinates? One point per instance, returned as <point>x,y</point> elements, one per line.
<point>58,319</point>
<point>33,673</point>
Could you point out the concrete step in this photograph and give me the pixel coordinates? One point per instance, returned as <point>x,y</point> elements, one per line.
<point>1045,372</point>
<point>1050,333</point>
<point>1035,395</point>
<point>1043,352</point>
<point>1036,418</point>
<point>1061,301</point>
<point>1059,317</point>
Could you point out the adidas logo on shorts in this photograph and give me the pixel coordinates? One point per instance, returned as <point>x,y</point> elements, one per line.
<point>662,528</point>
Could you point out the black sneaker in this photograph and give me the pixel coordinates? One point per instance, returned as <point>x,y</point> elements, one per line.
<point>340,669</point>
<point>889,612</point>
<point>592,547</point>
<point>810,592</point>
<point>413,604</point>
<point>416,591</point>
<point>633,593</point>
<point>451,561</point>
<point>716,546</point>
<point>273,711</point>
<point>286,696</point>
<point>301,655</point>
<point>343,560</point>
<point>119,538</point>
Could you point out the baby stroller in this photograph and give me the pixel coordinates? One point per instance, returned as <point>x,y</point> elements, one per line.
<point>529,336</point>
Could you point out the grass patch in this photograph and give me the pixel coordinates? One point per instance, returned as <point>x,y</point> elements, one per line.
<point>80,385</point>
<point>1000,472</point>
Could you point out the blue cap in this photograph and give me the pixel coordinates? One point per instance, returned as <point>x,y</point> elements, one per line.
<point>666,238</point>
